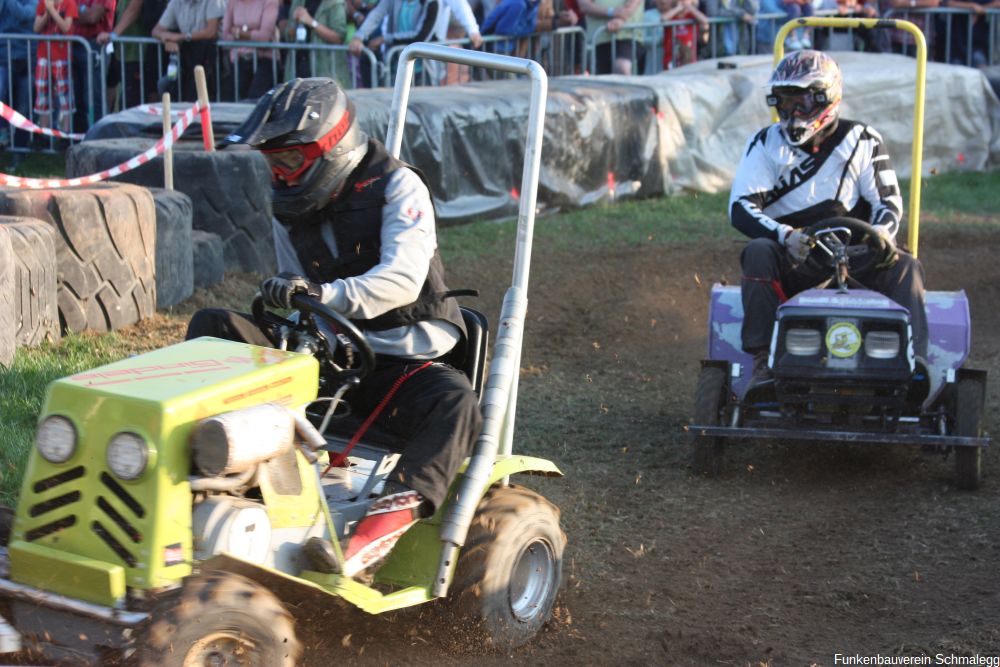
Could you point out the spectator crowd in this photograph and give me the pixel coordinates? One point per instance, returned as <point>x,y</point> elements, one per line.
<point>83,47</point>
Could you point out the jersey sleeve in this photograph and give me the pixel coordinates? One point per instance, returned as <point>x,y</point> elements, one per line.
<point>747,200</point>
<point>408,240</point>
<point>877,182</point>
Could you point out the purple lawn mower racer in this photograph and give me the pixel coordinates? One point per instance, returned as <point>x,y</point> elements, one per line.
<point>844,368</point>
<point>841,355</point>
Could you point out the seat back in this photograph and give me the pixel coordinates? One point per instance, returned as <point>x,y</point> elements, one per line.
<point>469,354</point>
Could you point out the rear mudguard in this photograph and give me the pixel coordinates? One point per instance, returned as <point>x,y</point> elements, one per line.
<point>411,567</point>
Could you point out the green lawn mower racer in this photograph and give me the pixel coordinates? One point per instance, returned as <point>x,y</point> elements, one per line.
<point>166,504</point>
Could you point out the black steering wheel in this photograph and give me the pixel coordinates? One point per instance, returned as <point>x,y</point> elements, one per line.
<point>842,245</point>
<point>348,359</point>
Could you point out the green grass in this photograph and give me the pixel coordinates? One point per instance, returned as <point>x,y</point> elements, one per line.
<point>666,220</point>
<point>33,165</point>
<point>693,217</point>
<point>966,192</point>
<point>22,387</point>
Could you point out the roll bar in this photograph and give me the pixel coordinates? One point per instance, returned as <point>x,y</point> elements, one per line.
<point>918,106</point>
<point>500,394</point>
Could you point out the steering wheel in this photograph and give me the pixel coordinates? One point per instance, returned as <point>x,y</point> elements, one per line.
<point>359,357</point>
<point>842,244</point>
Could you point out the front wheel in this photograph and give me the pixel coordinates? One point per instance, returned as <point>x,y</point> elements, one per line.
<point>709,407</point>
<point>969,396</point>
<point>510,568</point>
<point>220,618</point>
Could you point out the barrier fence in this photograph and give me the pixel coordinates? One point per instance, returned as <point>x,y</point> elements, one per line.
<point>131,71</point>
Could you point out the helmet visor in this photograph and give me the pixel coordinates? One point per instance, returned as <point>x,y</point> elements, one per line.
<point>797,103</point>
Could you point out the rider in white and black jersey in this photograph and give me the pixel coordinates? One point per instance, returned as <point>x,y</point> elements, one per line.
<point>808,167</point>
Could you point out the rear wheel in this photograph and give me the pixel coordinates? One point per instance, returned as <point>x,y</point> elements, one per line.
<point>969,396</point>
<point>510,568</point>
<point>220,618</point>
<point>709,407</point>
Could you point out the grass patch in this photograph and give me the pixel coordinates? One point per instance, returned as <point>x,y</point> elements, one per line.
<point>960,192</point>
<point>23,389</point>
<point>690,218</point>
<point>33,165</point>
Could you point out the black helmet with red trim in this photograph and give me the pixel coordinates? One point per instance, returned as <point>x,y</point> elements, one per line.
<point>307,131</point>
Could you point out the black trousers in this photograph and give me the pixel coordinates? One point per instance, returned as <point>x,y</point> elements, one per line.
<point>435,412</point>
<point>250,83</point>
<point>765,263</point>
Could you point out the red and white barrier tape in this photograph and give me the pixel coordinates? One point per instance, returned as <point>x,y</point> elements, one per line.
<point>155,109</point>
<point>22,123</point>
<point>161,146</point>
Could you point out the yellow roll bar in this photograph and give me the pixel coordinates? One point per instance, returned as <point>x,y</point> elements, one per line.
<point>918,107</point>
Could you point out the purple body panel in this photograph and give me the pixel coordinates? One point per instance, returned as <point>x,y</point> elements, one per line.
<point>947,320</point>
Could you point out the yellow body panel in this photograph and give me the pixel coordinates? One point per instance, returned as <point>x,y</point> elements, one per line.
<point>80,509</point>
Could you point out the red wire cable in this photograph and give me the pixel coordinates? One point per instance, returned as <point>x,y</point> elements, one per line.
<point>342,456</point>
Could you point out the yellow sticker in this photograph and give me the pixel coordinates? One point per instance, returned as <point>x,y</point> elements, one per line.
<point>843,340</point>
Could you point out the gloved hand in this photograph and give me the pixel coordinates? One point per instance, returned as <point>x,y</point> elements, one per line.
<point>798,244</point>
<point>888,254</point>
<point>278,290</point>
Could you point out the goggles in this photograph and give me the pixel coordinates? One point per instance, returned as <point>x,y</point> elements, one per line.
<point>800,103</point>
<point>290,162</point>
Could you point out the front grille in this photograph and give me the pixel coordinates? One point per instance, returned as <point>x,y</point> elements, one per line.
<point>54,481</point>
<point>45,507</point>
<point>49,528</point>
<point>113,543</point>
<point>123,495</point>
<point>54,504</point>
<point>119,520</point>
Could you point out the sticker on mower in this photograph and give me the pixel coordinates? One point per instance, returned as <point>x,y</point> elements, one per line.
<point>843,340</point>
<point>844,300</point>
<point>173,554</point>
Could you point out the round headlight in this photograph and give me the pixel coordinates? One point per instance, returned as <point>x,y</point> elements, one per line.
<point>56,439</point>
<point>128,455</point>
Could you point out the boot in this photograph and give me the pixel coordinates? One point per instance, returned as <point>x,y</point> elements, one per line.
<point>761,373</point>
<point>387,519</point>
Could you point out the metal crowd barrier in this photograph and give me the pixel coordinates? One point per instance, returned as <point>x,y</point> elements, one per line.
<point>560,52</point>
<point>153,62</point>
<point>749,38</point>
<point>140,62</point>
<point>931,20</point>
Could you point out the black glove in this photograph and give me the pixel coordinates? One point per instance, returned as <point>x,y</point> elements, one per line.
<point>888,254</point>
<point>278,290</point>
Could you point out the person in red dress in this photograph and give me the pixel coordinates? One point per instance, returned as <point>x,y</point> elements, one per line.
<point>685,36</point>
<point>54,17</point>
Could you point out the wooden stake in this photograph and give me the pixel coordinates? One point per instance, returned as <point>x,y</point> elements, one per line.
<point>206,118</point>
<point>168,155</point>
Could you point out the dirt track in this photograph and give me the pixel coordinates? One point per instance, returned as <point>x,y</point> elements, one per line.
<point>795,554</point>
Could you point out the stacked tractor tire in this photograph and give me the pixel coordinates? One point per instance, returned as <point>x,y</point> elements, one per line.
<point>105,256</point>
<point>230,192</point>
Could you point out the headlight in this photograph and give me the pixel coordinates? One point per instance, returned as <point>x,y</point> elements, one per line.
<point>56,439</point>
<point>802,342</point>
<point>882,344</point>
<point>127,455</point>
